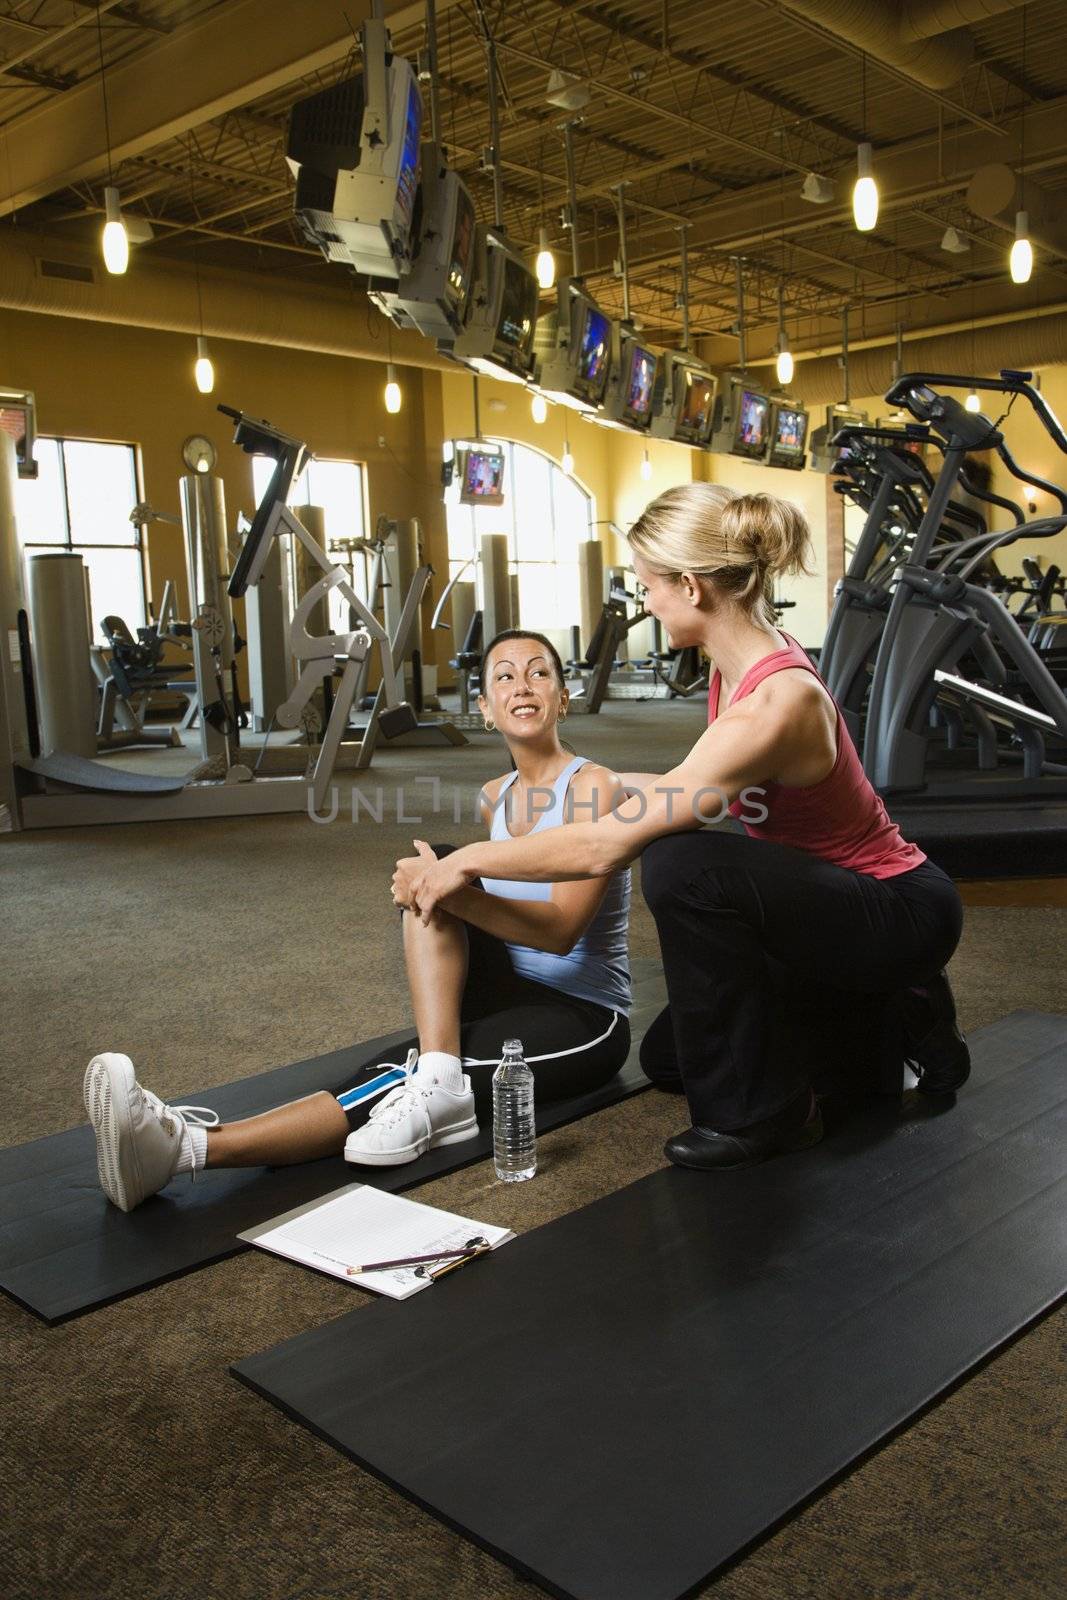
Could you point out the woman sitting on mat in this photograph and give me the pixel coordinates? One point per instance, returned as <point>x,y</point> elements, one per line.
<point>545,964</point>
<point>812,946</point>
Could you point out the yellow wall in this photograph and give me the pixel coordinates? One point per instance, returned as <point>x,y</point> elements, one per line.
<point>93,380</point>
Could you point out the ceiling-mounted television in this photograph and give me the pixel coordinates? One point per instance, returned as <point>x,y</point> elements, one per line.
<point>824,456</point>
<point>573,345</point>
<point>434,294</point>
<point>742,419</point>
<point>354,150</point>
<point>629,396</point>
<point>479,470</point>
<point>18,417</point>
<point>498,335</point>
<point>683,403</point>
<point>788,434</point>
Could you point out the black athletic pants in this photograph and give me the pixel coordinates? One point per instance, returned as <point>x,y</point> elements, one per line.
<point>783,970</point>
<point>573,1045</point>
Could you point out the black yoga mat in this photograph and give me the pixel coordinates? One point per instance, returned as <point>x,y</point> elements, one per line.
<point>652,1383</point>
<point>65,1250</point>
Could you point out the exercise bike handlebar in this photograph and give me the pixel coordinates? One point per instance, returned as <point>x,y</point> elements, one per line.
<point>1009,382</point>
<point>1029,477</point>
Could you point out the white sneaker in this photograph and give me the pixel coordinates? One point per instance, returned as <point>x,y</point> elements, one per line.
<point>414,1117</point>
<point>138,1138</point>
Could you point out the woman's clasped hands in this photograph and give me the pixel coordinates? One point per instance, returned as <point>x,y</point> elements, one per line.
<point>421,882</point>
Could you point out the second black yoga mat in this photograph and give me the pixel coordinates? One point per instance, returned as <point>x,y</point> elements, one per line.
<point>620,1402</point>
<point>64,1250</point>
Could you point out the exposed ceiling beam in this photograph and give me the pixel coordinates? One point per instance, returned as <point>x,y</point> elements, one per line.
<point>649,108</point>
<point>52,36</point>
<point>875,63</point>
<point>242,50</point>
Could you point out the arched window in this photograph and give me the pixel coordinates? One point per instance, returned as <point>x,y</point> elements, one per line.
<point>546,515</point>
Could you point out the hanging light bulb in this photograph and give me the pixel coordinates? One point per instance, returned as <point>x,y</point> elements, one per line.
<point>546,262</point>
<point>783,366</point>
<point>972,402</point>
<point>204,371</point>
<point>567,462</point>
<point>864,192</point>
<point>394,399</point>
<point>646,468</point>
<point>1021,259</point>
<point>539,408</point>
<point>114,239</point>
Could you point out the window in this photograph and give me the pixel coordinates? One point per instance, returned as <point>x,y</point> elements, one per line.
<point>81,501</point>
<point>546,516</point>
<point>337,486</point>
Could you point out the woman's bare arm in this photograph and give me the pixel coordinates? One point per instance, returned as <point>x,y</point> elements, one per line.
<point>740,750</point>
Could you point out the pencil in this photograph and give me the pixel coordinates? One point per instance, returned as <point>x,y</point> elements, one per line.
<point>416,1261</point>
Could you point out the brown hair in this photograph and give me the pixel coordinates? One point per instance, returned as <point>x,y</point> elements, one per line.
<point>525,633</point>
<point>740,541</point>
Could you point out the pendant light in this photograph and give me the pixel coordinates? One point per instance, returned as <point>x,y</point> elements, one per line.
<point>114,240</point>
<point>546,262</point>
<point>783,366</point>
<point>865,189</point>
<point>1021,259</point>
<point>394,397</point>
<point>539,408</point>
<point>567,462</point>
<point>646,468</point>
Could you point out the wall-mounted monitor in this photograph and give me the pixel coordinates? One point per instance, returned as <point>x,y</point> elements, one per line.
<point>18,417</point>
<point>683,404</point>
<point>434,295</point>
<point>480,471</point>
<point>789,433</point>
<point>824,456</point>
<point>573,344</point>
<point>356,161</point>
<point>630,392</point>
<point>498,335</point>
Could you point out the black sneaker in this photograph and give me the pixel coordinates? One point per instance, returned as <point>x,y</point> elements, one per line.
<point>933,1045</point>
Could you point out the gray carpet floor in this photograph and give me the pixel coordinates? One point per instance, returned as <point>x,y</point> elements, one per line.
<point>135,1467</point>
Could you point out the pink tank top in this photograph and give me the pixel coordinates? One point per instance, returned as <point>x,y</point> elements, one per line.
<point>841,818</point>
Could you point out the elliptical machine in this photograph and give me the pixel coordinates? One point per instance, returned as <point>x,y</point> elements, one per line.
<point>938,619</point>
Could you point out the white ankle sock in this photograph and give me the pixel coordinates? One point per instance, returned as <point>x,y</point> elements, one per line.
<point>192,1154</point>
<point>448,1070</point>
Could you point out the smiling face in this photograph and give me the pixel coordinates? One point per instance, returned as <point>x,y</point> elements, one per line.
<point>521,690</point>
<point>677,600</point>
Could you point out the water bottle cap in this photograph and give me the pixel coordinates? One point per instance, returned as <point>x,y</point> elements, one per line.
<point>513,1047</point>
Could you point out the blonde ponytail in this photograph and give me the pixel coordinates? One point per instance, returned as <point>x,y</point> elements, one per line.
<point>741,541</point>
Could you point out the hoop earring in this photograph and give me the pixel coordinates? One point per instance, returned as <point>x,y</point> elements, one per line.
<point>488,724</point>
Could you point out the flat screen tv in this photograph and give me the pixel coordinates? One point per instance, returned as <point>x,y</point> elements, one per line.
<point>789,433</point>
<point>752,424</point>
<point>481,476</point>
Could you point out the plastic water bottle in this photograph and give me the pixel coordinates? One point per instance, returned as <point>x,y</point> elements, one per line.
<point>514,1129</point>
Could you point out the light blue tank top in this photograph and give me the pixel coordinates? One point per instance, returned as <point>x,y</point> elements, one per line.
<point>598,968</point>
